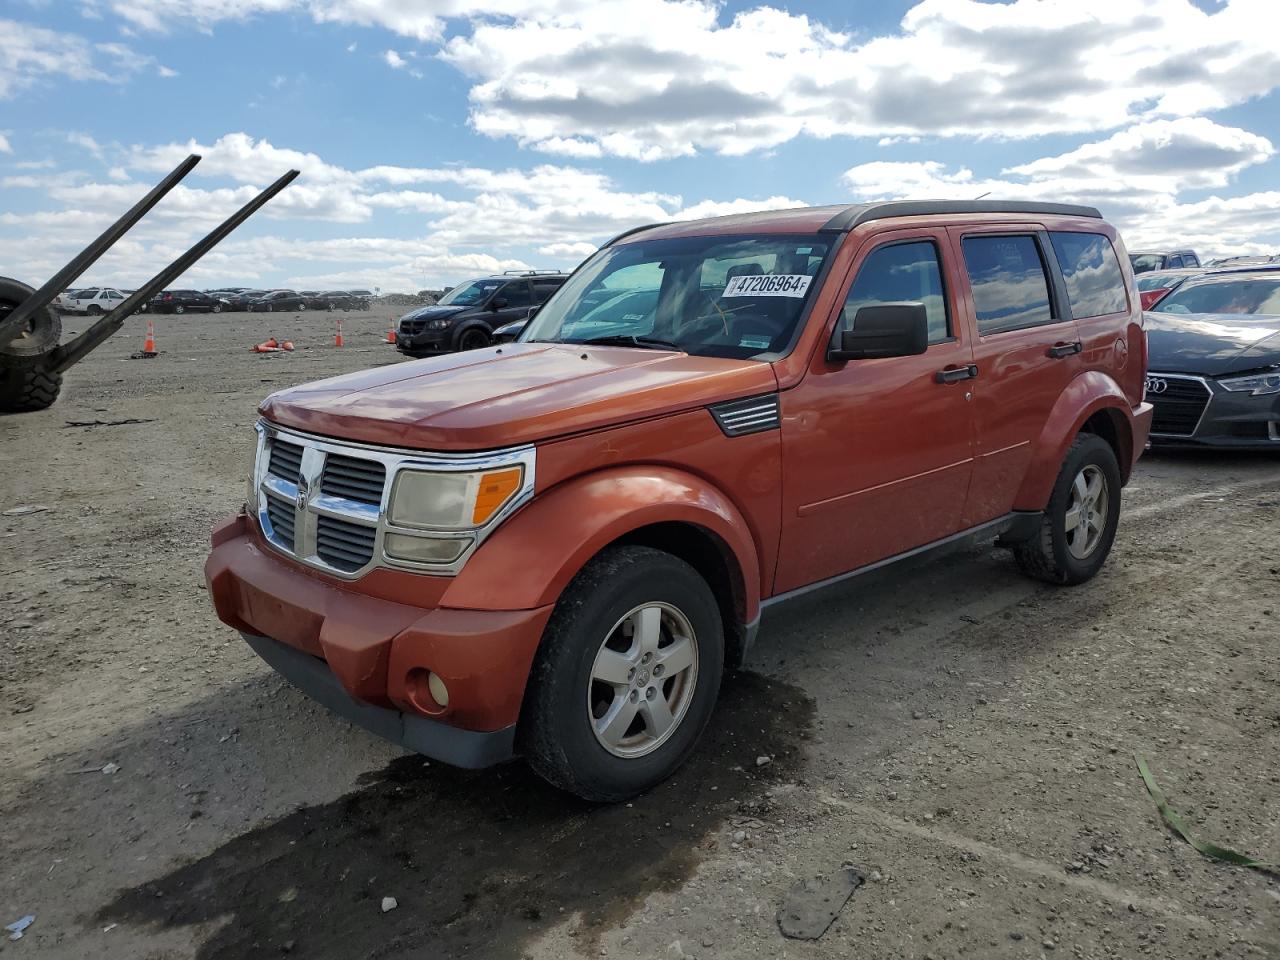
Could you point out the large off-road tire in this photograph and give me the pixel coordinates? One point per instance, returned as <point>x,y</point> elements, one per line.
<point>42,333</point>
<point>626,677</point>
<point>24,389</point>
<point>1079,524</point>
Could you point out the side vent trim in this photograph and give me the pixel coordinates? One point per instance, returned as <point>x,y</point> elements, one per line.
<point>752,415</point>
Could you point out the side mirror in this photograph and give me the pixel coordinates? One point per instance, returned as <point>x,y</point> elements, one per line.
<point>533,311</point>
<point>884,330</point>
<point>497,303</point>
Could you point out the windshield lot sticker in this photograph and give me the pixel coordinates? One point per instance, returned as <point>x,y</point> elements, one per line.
<point>765,285</point>
<point>755,343</point>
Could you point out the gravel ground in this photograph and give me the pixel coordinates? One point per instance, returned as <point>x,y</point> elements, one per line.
<point>962,736</point>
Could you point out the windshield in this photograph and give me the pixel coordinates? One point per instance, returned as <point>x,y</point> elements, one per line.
<point>1142,262</point>
<point>1234,296</point>
<point>469,294</point>
<point>713,296</point>
<point>1154,281</point>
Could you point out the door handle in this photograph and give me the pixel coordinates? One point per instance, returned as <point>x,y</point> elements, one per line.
<point>956,374</point>
<point>1060,350</point>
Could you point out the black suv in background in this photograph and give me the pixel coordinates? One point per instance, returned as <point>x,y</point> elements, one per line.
<point>466,316</point>
<point>184,301</point>
<point>278,300</point>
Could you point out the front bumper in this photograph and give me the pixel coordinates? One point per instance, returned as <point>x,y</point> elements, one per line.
<point>1224,419</point>
<point>425,341</point>
<point>365,648</point>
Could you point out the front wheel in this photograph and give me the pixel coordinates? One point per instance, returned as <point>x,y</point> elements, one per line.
<point>179,309</point>
<point>626,677</point>
<point>1080,521</point>
<point>473,339</point>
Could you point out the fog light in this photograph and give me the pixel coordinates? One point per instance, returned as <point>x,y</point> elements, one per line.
<point>424,549</point>
<point>439,692</point>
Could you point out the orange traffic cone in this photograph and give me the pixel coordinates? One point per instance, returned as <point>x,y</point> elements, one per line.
<point>149,347</point>
<point>337,341</point>
<point>286,345</point>
<point>266,346</point>
<point>391,335</point>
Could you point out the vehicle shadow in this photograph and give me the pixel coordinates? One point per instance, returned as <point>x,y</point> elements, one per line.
<point>478,863</point>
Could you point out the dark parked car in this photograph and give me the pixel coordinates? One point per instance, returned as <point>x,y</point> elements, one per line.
<point>329,300</point>
<point>1172,260</point>
<point>186,301</point>
<point>466,317</point>
<point>1154,284</point>
<point>1214,362</point>
<point>278,300</point>
<point>241,300</point>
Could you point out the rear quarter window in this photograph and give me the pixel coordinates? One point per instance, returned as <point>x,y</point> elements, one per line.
<point>1095,285</point>
<point>1010,288</point>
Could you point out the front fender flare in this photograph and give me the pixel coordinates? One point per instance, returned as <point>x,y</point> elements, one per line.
<point>1084,396</point>
<point>530,559</point>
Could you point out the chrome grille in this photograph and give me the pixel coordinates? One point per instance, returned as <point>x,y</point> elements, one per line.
<point>753,415</point>
<point>343,544</point>
<point>321,501</point>
<point>281,516</point>
<point>1179,406</point>
<point>355,479</point>
<point>286,460</point>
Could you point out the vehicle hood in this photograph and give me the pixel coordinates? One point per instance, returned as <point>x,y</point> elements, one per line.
<point>432,313</point>
<point>1211,344</point>
<point>520,393</point>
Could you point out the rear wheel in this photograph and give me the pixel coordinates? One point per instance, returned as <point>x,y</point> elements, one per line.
<point>179,309</point>
<point>1079,524</point>
<point>216,308</point>
<point>24,388</point>
<point>94,310</point>
<point>626,677</point>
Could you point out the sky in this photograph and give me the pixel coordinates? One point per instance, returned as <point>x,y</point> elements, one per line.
<point>445,139</point>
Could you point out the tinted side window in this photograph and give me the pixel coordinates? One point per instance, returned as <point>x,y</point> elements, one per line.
<point>1191,260</point>
<point>1010,289</point>
<point>543,289</point>
<point>901,271</point>
<point>517,294</point>
<point>1095,285</point>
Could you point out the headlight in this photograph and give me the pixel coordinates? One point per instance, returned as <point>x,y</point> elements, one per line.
<point>1258,385</point>
<point>440,324</point>
<point>452,501</point>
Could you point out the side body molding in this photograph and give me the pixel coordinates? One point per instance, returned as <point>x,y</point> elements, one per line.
<point>1087,394</point>
<point>531,558</point>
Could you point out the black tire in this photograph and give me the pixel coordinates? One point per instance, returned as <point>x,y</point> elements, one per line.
<point>43,332</point>
<point>473,338</point>
<point>216,308</point>
<point>1048,555</point>
<point>179,309</point>
<point>556,734</point>
<point>93,310</point>
<point>24,389</point>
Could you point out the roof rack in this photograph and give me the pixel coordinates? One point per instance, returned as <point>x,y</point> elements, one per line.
<point>532,273</point>
<point>859,213</point>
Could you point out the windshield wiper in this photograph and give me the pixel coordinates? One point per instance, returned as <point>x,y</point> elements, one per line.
<point>629,340</point>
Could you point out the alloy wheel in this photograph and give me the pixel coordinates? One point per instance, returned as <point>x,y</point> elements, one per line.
<point>1087,511</point>
<point>642,680</point>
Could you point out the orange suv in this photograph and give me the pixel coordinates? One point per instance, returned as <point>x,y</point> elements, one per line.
<point>555,547</point>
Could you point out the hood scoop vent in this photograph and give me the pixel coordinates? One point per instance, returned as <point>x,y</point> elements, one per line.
<point>752,415</point>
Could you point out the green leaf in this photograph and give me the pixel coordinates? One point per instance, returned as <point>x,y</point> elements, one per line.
<point>1211,850</point>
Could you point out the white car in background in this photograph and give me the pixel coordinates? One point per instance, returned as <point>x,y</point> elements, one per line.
<point>93,301</point>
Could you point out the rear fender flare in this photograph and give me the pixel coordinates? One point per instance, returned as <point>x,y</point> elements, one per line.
<point>530,559</point>
<point>1089,393</point>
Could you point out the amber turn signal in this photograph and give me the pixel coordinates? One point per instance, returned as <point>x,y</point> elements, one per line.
<point>496,488</point>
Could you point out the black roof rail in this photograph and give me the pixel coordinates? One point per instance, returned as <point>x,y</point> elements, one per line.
<point>859,213</point>
<point>627,233</point>
<point>532,273</point>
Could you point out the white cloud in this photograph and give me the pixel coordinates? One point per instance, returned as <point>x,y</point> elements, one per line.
<point>651,79</point>
<point>394,60</point>
<point>1135,177</point>
<point>30,54</point>
<point>472,219</point>
<point>4,144</point>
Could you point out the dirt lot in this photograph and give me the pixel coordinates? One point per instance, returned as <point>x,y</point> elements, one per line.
<point>963,736</point>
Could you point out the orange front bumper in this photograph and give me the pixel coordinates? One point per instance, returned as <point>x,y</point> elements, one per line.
<point>328,637</point>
